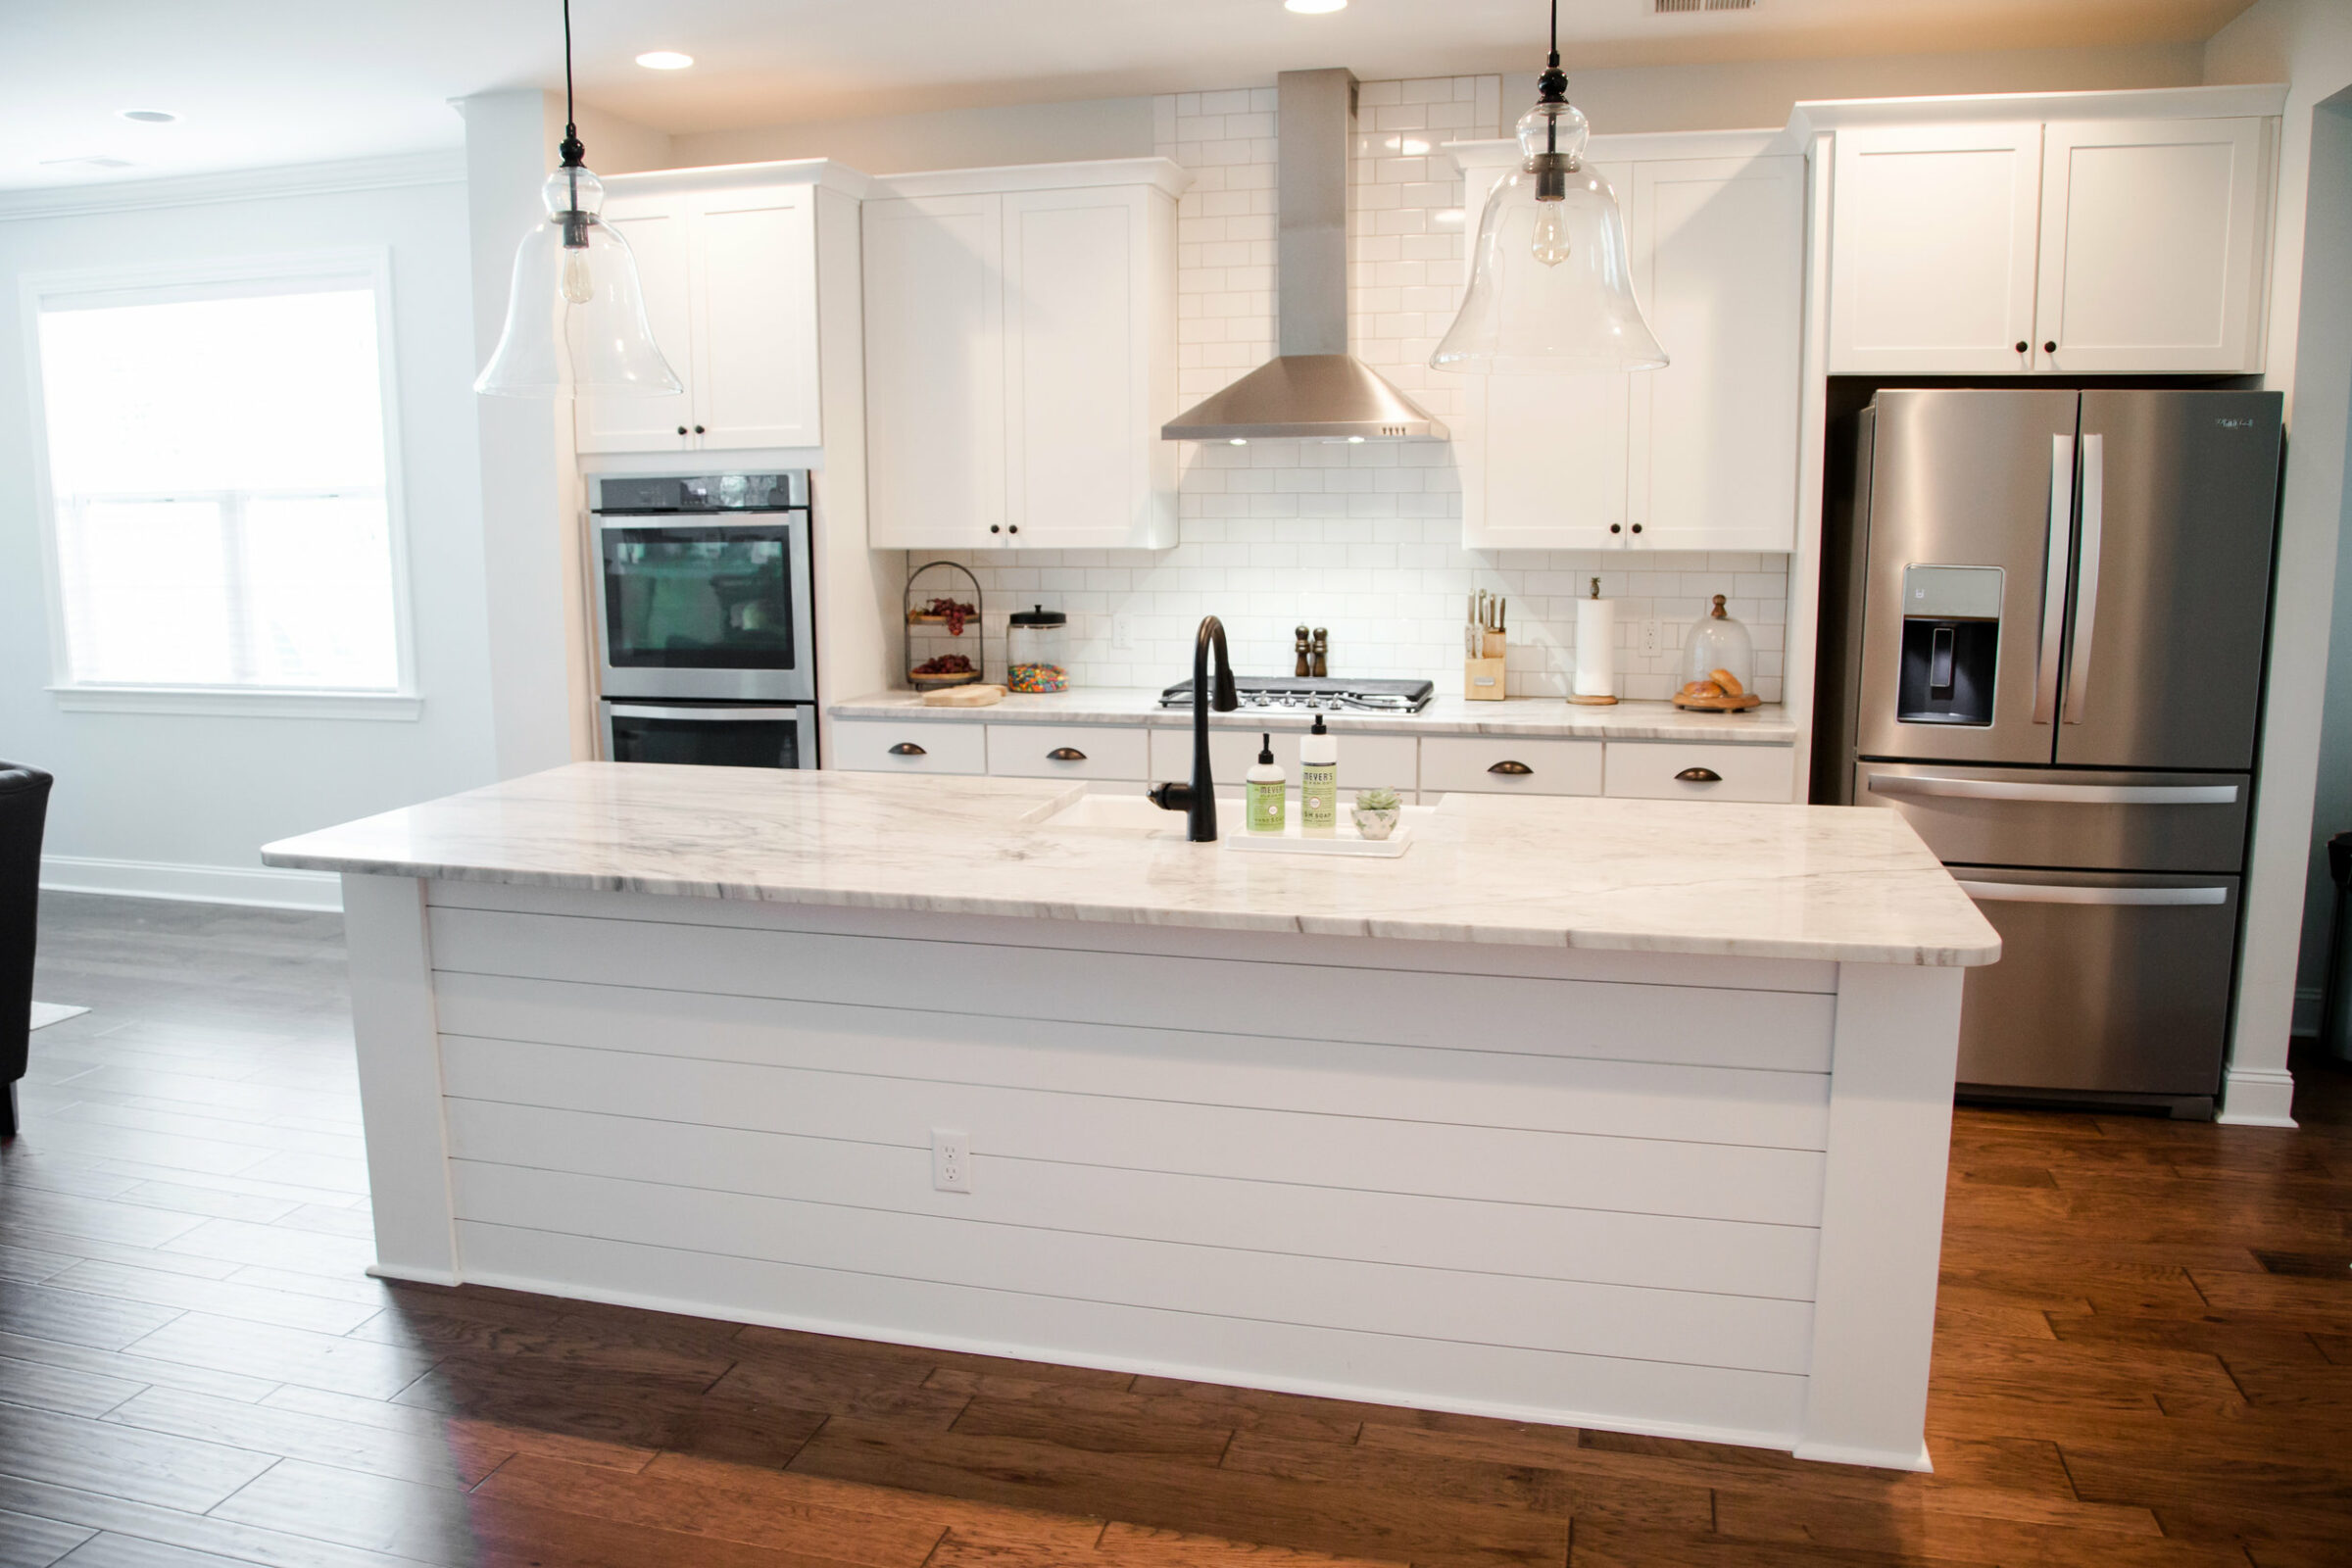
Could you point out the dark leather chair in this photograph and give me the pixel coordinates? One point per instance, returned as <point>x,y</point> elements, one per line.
<point>23,808</point>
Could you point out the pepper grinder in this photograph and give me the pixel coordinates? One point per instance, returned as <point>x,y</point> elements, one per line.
<point>1301,649</point>
<point>1322,646</point>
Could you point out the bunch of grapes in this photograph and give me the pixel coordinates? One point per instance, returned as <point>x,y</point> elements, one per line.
<point>954,614</point>
<point>945,664</point>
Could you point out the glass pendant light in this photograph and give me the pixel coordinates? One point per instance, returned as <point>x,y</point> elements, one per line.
<point>575,317</point>
<point>1551,288</point>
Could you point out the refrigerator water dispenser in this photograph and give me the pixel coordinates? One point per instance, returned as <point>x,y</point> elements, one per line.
<point>1952,645</point>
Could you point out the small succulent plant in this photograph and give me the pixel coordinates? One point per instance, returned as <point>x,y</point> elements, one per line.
<point>1376,800</point>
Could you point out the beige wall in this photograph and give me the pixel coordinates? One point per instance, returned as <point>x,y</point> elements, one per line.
<point>947,138</point>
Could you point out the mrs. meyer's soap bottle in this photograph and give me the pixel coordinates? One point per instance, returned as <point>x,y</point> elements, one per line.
<point>1319,781</point>
<point>1263,784</point>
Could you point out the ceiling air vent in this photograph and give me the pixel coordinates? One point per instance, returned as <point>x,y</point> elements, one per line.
<point>1668,8</point>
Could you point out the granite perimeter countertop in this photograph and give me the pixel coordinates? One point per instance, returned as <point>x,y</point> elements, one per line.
<point>1839,883</point>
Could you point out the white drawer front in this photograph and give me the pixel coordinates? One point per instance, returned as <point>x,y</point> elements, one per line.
<point>1492,765</point>
<point>921,745</point>
<point>1391,760</point>
<point>1654,770</point>
<point>1067,751</point>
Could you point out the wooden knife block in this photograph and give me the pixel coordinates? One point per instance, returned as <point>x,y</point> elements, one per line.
<point>1483,678</point>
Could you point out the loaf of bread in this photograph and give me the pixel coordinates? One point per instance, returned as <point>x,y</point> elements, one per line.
<point>1727,681</point>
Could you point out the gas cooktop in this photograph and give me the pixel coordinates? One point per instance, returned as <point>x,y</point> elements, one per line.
<point>1328,693</point>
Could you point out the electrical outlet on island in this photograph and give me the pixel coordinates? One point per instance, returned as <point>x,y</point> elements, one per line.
<point>950,1161</point>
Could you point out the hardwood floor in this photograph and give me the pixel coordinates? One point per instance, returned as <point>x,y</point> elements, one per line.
<point>2144,1358</point>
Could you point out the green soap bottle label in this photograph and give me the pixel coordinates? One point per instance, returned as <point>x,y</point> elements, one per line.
<point>1266,806</point>
<point>1318,797</point>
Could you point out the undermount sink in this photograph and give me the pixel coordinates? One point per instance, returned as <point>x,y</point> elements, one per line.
<point>1132,814</point>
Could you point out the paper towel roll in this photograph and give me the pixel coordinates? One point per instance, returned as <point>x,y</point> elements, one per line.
<point>1596,648</point>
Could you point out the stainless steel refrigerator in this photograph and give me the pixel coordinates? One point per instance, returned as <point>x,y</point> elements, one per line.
<point>2049,615</point>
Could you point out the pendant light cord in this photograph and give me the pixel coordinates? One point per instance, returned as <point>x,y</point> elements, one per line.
<point>1554,83</point>
<point>574,154</point>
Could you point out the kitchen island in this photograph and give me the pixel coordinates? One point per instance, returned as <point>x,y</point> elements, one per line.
<point>1613,1112</point>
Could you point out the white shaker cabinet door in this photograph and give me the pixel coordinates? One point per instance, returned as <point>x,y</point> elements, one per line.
<point>755,318</point>
<point>935,371</point>
<point>2153,244</point>
<point>655,227</point>
<point>1933,246</point>
<point>1543,457</point>
<point>1718,258</point>
<point>1082,413</point>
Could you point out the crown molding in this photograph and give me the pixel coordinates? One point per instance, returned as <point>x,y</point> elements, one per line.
<point>823,173</point>
<point>443,167</point>
<point>1163,174</point>
<point>2136,103</point>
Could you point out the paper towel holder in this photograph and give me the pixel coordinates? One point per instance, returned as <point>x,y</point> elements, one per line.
<point>1594,699</point>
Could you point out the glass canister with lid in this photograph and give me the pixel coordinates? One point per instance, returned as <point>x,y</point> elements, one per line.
<point>1037,650</point>
<point>1719,664</point>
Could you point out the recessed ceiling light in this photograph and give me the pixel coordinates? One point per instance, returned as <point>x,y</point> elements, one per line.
<point>1314,8</point>
<point>672,60</point>
<point>150,116</point>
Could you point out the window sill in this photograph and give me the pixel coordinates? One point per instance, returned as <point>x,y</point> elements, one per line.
<point>239,702</point>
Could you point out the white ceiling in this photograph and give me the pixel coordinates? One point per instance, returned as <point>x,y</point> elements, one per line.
<point>258,83</point>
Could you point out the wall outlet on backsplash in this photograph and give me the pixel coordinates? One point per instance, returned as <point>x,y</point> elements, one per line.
<point>1650,639</point>
<point>1122,633</point>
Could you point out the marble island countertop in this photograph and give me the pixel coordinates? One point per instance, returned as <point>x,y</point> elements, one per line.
<point>1447,715</point>
<point>1846,884</point>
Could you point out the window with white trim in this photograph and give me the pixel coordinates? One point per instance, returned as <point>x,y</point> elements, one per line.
<point>220,454</point>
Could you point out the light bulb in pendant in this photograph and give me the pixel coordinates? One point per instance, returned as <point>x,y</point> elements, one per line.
<point>1551,232</point>
<point>579,284</point>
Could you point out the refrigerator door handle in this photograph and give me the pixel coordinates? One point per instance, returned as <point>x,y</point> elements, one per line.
<point>1985,789</point>
<point>2077,892</point>
<point>2053,579</point>
<point>2086,575</point>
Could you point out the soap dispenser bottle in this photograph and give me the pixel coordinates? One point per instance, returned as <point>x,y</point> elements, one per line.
<point>1265,786</point>
<point>1319,781</point>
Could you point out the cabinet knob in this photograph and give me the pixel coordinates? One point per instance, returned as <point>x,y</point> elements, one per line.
<point>907,748</point>
<point>1513,769</point>
<point>1699,776</point>
<point>2051,347</point>
<point>1636,528</point>
<point>698,430</point>
<point>994,529</point>
<point>2023,346</point>
<point>1616,527</point>
<point>1015,528</point>
<point>681,429</point>
<point>1065,753</point>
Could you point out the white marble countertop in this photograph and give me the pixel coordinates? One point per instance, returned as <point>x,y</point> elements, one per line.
<point>1447,715</point>
<point>1843,883</point>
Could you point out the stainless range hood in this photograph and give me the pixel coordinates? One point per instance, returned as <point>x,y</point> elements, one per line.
<point>1315,388</point>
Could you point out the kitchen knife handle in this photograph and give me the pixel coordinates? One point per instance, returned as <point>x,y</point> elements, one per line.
<point>2053,579</point>
<point>2086,575</point>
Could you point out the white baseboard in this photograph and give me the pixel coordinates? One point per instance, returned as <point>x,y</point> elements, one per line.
<point>266,887</point>
<point>2257,1097</point>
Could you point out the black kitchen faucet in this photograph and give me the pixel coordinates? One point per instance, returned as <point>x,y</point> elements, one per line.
<point>1197,801</point>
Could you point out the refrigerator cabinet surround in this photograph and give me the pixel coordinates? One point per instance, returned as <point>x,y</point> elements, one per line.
<point>2054,817</point>
<point>2113,983</point>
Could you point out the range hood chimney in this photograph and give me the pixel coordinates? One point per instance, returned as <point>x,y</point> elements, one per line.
<point>1313,388</point>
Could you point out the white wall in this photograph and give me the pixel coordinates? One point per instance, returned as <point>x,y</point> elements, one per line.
<point>179,805</point>
<point>2307,44</point>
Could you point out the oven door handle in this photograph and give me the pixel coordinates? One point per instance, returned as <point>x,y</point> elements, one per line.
<point>651,521</point>
<point>2078,892</point>
<point>716,715</point>
<point>1985,789</point>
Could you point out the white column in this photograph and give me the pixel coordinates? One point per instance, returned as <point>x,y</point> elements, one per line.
<point>400,1077</point>
<point>1895,1046</point>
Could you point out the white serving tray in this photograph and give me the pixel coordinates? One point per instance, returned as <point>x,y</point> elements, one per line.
<point>1293,839</point>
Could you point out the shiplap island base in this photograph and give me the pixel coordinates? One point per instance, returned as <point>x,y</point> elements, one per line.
<point>1608,1113</point>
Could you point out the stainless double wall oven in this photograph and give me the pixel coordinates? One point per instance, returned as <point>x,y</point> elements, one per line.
<point>705,645</point>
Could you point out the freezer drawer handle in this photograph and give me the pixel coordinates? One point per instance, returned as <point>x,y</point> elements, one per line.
<point>907,748</point>
<point>703,715</point>
<point>2075,893</point>
<point>2053,579</point>
<point>1699,776</point>
<point>1985,789</point>
<point>1065,753</point>
<point>1513,769</point>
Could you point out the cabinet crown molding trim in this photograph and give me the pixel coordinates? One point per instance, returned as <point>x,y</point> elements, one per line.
<point>1169,178</point>
<point>1637,147</point>
<point>822,173</point>
<point>2147,103</point>
<point>446,167</point>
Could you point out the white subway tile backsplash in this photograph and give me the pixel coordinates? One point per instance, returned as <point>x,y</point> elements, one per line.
<point>1364,540</point>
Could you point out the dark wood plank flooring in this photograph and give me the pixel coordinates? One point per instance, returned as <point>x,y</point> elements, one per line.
<point>2144,1358</point>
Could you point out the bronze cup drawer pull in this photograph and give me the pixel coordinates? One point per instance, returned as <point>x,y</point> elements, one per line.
<point>1065,753</point>
<point>907,748</point>
<point>1699,776</point>
<point>1513,769</point>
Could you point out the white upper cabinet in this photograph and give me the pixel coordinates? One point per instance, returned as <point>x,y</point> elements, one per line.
<point>1700,454</point>
<point>730,289</point>
<point>2154,234</point>
<point>1021,356</point>
<point>2072,247</point>
<point>1719,261</point>
<point>1931,247</point>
